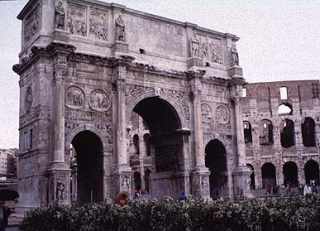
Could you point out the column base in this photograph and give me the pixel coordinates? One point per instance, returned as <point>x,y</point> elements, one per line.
<point>200,183</point>
<point>120,48</point>
<point>123,180</point>
<point>241,183</point>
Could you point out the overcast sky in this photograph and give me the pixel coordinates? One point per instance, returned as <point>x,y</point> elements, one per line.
<point>279,40</point>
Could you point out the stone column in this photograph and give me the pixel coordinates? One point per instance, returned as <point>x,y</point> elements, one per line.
<point>59,172</point>
<point>123,169</point>
<point>200,175</point>
<point>241,174</point>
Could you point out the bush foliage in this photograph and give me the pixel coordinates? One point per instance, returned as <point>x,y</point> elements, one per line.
<point>269,214</point>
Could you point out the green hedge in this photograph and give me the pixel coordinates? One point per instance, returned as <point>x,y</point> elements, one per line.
<point>281,214</point>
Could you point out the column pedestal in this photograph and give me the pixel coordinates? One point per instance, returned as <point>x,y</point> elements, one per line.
<point>59,186</point>
<point>200,183</point>
<point>241,183</point>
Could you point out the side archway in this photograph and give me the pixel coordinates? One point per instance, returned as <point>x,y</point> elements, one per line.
<point>88,157</point>
<point>216,161</point>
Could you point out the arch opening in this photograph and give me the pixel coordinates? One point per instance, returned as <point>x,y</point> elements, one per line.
<point>252,177</point>
<point>163,146</point>
<point>247,131</point>
<point>311,172</point>
<point>268,172</point>
<point>290,174</point>
<point>308,132</point>
<point>216,161</point>
<point>287,136</point>
<point>87,167</point>
<point>266,132</point>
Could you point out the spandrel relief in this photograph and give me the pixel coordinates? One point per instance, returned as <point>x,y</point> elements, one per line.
<point>77,20</point>
<point>98,24</point>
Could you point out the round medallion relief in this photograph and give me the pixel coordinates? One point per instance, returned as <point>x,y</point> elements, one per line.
<point>75,97</point>
<point>222,114</point>
<point>99,100</point>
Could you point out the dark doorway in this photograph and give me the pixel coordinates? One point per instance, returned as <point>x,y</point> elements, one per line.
<point>216,161</point>
<point>287,133</point>
<point>311,172</point>
<point>268,172</point>
<point>247,132</point>
<point>290,174</point>
<point>137,181</point>
<point>146,139</point>
<point>147,180</point>
<point>89,158</point>
<point>252,177</point>
<point>308,132</point>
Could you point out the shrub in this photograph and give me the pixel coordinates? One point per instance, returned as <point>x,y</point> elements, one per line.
<point>291,214</point>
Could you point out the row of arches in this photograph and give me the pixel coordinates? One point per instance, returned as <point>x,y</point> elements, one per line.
<point>287,132</point>
<point>290,174</point>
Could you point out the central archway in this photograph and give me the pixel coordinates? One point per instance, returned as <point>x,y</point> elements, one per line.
<point>89,167</point>
<point>216,161</point>
<point>163,123</point>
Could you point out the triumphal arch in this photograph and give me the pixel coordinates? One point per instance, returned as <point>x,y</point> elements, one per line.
<point>113,99</point>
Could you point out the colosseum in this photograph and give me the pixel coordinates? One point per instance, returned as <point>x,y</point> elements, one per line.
<point>113,99</point>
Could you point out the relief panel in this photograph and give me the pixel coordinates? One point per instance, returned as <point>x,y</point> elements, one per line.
<point>77,20</point>
<point>98,24</point>
<point>206,48</point>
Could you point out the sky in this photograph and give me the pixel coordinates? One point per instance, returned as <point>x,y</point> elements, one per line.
<point>279,40</point>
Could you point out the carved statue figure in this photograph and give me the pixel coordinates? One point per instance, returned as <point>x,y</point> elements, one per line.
<point>60,190</point>
<point>59,16</point>
<point>234,57</point>
<point>120,29</point>
<point>195,46</point>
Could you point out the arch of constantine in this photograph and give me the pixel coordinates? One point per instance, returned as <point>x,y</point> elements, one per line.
<point>113,99</point>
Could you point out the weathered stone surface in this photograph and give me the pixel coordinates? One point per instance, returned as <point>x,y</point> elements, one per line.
<point>113,99</point>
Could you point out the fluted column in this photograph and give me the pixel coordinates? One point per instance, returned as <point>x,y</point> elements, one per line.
<point>123,174</point>
<point>200,175</point>
<point>241,173</point>
<point>59,172</point>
